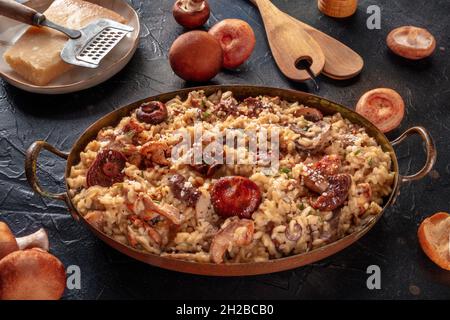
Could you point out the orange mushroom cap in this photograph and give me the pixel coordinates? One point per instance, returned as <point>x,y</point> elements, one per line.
<point>32,274</point>
<point>411,42</point>
<point>434,238</point>
<point>8,242</point>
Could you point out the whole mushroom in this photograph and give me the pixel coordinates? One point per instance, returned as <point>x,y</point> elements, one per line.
<point>9,243</point>
<point>196,56</point>
<point>32,274</point>
<point>191,13</point>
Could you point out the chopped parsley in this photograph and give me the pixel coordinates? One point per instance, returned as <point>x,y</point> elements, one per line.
<point>285,170</point>
<point>301,206</point>
<point>357,152</point>
<point>206,115</point>
<point>370,161</point>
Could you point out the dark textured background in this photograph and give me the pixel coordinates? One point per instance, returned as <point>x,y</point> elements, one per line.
<point>392,244</point>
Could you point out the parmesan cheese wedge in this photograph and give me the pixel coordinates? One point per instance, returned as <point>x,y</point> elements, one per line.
<point>36,55</point>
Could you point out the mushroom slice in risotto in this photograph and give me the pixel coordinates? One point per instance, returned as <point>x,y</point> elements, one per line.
<point>235,196</point>
<point>131,130</point>
<point>238,232</point>
<point>293,231</point>
<point>315,175</point>
<point>155,152</point>
<point>166,210</point>
<point>336,194</point>
<point>132,154</point>
<point>329,165</point>
<point>310,114</point>
<point>96,219</point>
<point>314,180</point>
<point>206,169</point>
<point>152,112</point>
<point>202,206</point>
<point>183,190</point>
<point>106,169</point>
<point>314,137</point>
<point>154,235</point>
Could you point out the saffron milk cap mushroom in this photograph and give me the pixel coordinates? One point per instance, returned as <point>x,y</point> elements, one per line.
<point>31,274</point>
<point>411,42</point>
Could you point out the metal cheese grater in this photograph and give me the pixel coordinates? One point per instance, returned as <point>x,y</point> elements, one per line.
<point>86,47</point>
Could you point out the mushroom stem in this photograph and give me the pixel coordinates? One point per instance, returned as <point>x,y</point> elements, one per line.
<point>193,5</point>
<point>39,239</point>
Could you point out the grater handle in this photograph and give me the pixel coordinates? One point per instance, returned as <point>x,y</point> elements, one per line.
<point>20,12</point>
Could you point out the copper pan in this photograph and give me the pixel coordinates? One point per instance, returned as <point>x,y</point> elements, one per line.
<point>240,91</point>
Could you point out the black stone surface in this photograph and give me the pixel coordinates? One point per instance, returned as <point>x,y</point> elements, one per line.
<point>392,244</point>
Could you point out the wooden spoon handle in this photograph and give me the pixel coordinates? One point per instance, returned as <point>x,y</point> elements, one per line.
<point>19,12</point>
<point>290,43</point>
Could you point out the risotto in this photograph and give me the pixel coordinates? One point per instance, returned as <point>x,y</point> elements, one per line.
<point>326,179</point>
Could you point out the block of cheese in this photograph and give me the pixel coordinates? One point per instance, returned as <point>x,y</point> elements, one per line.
<point>36,55</point>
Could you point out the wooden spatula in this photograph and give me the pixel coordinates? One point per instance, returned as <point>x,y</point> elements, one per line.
<point>341,62</point>
<point>290,44</point>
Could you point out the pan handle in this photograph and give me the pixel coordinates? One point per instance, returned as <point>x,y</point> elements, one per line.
<point>430,149</point>
<point>31,165</point>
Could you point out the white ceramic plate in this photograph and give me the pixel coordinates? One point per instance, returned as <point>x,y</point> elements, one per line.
<point>78,78</point>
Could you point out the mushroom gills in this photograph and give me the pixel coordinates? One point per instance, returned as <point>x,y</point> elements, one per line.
<point>312,138</point>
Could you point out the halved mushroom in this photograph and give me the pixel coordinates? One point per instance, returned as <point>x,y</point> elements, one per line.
<point>32,274</point>
<point>238,233</point>
<point>329,165</point>
<point>315,175</point>
<point>152,112</point>
<point>107,169</point>
<point>183,190</point>
<point>235,196</point>
<point>313,138</point>
<point>335,195</point>
<point>8,243</point>
<point>314,180</point>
